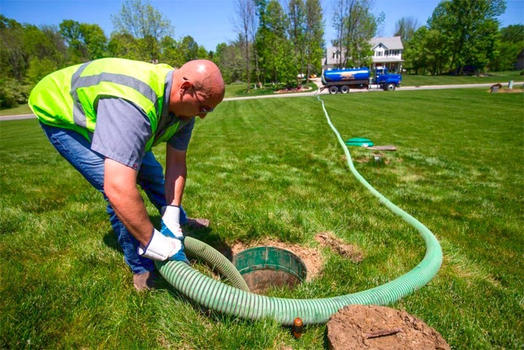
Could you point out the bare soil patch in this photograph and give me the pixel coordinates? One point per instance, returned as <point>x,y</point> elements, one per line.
<point>352,252</point>
<point>260,281</point>
<point>311,257</point>
<point>375,157</point>
<point>510,91</point>
<point>381,328</point>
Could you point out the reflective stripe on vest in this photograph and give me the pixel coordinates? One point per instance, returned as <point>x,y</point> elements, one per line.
<point>77,81</point>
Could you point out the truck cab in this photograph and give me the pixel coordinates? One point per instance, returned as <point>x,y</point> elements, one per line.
<point>387,81</point>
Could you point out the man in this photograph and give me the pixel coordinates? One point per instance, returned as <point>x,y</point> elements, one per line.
<point>104,116</point>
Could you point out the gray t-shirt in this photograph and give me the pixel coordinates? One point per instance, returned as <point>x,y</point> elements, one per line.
<point>122,130</point>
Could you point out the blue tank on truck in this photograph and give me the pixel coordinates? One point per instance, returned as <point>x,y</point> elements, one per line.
<point>341,80</point>
<point>346,75</point>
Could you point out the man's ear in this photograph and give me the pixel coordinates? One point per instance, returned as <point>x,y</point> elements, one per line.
<point>185,86</point>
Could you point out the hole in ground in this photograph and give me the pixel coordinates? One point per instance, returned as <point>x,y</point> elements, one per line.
<point>266,267</point>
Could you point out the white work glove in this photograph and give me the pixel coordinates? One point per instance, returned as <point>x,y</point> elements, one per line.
<point>171,221</point>
<point>162,247</point>
<point>168,243</point>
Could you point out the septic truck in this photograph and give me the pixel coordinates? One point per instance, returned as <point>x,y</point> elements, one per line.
<point>341,80</point>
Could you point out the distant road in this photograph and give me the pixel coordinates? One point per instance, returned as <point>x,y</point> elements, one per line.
<point>403,88</point>
<point>312,93</point>
<point>4,118</point>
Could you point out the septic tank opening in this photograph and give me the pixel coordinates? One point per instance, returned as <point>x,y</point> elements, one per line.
<point>266,267</point>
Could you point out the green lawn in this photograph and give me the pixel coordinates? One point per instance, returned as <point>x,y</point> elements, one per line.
<point>21,109</point>
<point>492,77</point>
<point>239,90</point>
<point>273,168</point>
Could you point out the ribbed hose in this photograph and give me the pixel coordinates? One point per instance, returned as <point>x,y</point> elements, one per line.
<point>217,261</point>
<point>224,298</point>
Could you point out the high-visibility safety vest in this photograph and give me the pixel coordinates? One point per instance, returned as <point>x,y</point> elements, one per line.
<point>68,98</point>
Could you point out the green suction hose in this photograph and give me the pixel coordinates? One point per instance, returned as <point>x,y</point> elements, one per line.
<point>224,298</point>
<point>218,261</point>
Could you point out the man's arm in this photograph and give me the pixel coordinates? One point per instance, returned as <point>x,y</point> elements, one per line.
<point>120,188</point>
<point>176,172</point>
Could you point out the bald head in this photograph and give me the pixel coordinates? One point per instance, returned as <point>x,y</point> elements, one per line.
<point>206,77</point>
<point>196,90</point>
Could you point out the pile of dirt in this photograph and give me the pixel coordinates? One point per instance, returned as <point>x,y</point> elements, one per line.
<point>352,252</point>
<point>509,91</point>
<point>311,257</point>
<point>379,327</point>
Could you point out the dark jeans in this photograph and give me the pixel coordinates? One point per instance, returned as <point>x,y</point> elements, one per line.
<point>76,149</point>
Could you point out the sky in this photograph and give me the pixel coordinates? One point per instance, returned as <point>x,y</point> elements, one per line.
<point>211,22</point>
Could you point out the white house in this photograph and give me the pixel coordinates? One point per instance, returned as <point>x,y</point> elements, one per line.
<point>386,52</point>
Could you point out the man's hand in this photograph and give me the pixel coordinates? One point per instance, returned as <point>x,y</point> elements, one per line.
<point>171,222</point>
<point>163,247</point>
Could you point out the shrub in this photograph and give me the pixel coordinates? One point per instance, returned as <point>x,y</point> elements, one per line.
<point>13,93</point>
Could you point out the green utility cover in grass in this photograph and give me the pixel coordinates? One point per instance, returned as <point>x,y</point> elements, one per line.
<point>359,142</point>
<point>270,258</point>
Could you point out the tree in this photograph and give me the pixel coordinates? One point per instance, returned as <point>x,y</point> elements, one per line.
<point>355,25</point>
<point>261,40</point>
<point>245,11</point>
<point>13,56</point>
<point>314,40</point>
<point>43,45</point>
<point>94,39</point>
<point>405,28</point>
<point>510,42</point>
<point>229,58</point>
<point>124,45</point>
<point>170,52</point>
<point>469,28</point>
<point>427,52</point>
<point>297,32</point>
<point>189,48</point>
<point>70,31</point>
<point>142,21</point>
<point>278,52</point>
<point>85,41</point>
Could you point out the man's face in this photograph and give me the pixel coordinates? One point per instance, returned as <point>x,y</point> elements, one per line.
<point>194,103</point>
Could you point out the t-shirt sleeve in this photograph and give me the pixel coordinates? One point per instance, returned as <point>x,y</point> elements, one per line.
<point>180,140</point>
<point>122,131</point>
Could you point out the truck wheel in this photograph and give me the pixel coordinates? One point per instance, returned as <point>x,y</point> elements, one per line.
<point>333,90</point>
<point>344,89</point>
<point>390,87</point>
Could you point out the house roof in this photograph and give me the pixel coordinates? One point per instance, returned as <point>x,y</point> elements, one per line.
<point>391,43</point>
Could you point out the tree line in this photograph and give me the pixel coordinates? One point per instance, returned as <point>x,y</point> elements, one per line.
<point>274,45</point>
<point>28,52</point>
